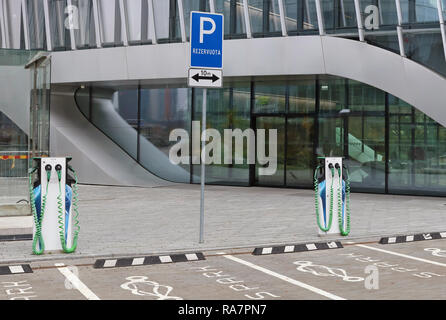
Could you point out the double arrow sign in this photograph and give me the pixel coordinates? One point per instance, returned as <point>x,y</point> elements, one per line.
<point>205,78</point>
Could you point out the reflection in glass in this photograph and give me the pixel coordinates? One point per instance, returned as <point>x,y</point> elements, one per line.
<point>59,34</point>
<point>235,26</point>
<point>332,94</point>
<point>300,15</point>
<point>228,108</point>
<point>36,19</point>
<point>300,159</point>
<point>116,114</point>
<point>426,48</point>
<point>84,35</point>
<point>193,5</point>
<point>273,123</point>
<point>167,21</point>
<point>270,97</point>
<point>346,119</point>
<point>264,17</point>
<point>417,161</point>
<point>302,96</point>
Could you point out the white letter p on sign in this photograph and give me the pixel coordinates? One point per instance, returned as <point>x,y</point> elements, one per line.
<point>204,31</point>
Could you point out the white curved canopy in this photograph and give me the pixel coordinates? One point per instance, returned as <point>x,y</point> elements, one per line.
<point>304,55</point>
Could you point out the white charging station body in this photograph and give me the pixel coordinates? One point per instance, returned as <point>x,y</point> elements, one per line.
<point>50,224</point>
<point>337,185</point>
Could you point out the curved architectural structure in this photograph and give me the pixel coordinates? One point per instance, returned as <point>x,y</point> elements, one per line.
<point>362,79</point>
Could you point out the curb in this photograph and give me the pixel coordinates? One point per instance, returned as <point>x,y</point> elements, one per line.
<point>20,269</point>
<point>415,237</point>
<point>144,261</point>
<point>16,237</point>
<point>297,248</point>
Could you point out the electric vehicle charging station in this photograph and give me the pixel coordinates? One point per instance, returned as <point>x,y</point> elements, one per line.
<point>53,197</point>
<point>332,197</point>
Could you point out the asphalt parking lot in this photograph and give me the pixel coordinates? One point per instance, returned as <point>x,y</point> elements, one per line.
<point>364,271</point>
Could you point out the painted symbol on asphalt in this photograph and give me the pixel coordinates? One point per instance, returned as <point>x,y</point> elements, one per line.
<point>436,252</point>
<point>324,271</point>
<point>141,286</point>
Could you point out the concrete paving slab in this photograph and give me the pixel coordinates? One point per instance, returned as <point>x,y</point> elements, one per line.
<point>123,221</point>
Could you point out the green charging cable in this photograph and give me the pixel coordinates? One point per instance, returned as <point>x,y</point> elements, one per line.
<point>61,213</point>
<point>38,238</point>
<point>316,189</point>
<point>344,232</point>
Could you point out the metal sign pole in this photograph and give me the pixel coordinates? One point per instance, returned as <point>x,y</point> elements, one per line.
<point>205,71</point>
<point>203,164</point>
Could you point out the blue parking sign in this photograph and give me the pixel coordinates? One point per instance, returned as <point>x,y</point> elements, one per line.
<point>206,39</point>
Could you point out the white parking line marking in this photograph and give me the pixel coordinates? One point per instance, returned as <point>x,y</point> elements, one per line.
<point>16,269</point>
<point>311,247</point>
<point>76,282</point>
<point>402,255</point>
<point>285,278</point>
<point>332,245</point>
<point>191,257</point>
<point>166,259</point>
<point>138,262</point>
<point>110,263</point>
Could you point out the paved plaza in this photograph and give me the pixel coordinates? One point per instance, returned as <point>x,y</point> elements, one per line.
<point>125,221</point>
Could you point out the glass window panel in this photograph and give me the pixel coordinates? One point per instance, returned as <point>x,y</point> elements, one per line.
<point>302,96</point>
<point>365,98</point>
<point>264,17</point>
<point>115,112</point>
<point>85,34</point>
<point>270,97</point>
<point>12,138</point>
<point>300,15</point>
<point>235,26</point>
<point>273,123</point>
<point>60,35</point>
<point>375,14</point>
<point>228,108</point>
<point>193,5</point>
<point>137,11</point>
<point>444,9</point>
<point>167,22</point>
<point>331,137</point>
<point>328,11</point>
<point>417,159</point>
<point>300,158</point>
<point>310,15</point>
<point>332,94</point>
<point>36,20</point>
<point>419,11</point>
<point>107,16</point>
<point>366,153</point>
<point>426,48</point>
<point>339,16</point>
<point>347,14</point>
<point>162,111</point>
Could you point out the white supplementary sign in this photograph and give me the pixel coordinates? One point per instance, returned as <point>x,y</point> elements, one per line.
<point>206,50</point>
<point>205,78</point>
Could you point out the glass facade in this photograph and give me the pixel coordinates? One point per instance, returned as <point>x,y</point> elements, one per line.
<point>108,23</point>
<point>389,146</point>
